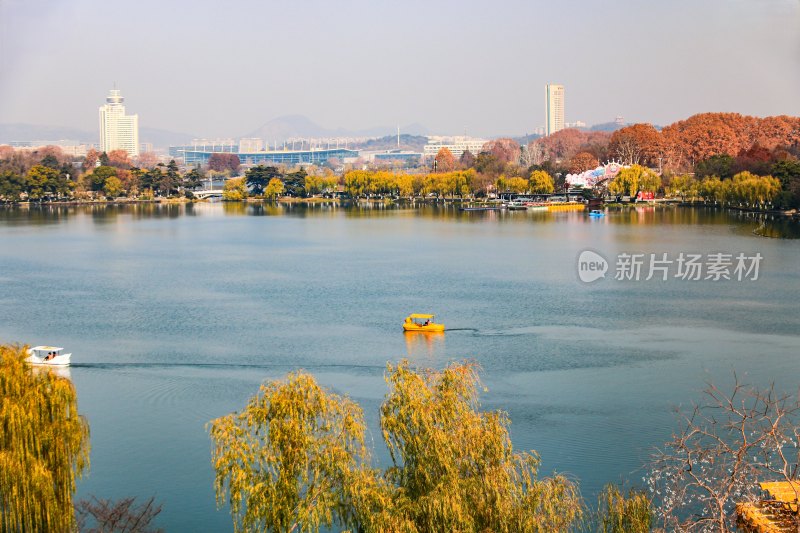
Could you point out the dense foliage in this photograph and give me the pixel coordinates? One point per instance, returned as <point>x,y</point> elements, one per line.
<point>44,446</point>
<point>706,146</point>
<point>295,459</point>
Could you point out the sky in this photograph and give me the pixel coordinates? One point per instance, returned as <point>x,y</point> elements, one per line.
<point>213,68</point>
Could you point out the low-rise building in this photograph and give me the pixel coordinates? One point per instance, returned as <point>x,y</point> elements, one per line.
<point>457,145</point>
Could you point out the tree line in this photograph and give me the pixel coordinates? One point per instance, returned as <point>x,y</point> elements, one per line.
<point>702,146</point>
<point>296,458</point>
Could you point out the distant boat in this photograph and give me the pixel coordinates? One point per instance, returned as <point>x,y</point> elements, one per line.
<point>517,206</point>
<point>423,323</point>
<point>48,356</point>
<point>596,213</point>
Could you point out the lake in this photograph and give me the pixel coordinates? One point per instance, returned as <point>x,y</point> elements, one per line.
<point>176,313</point>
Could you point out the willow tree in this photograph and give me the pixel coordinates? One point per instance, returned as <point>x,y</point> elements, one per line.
<point>620,513</point>
<point>286,458</point>
<point>44,446</point>
<point>455,465</point>
<point>294,459</point>
<point>631,180</point>
<point>541,182</point>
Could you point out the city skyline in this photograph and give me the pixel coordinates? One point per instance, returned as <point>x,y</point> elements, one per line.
<point>375,66</point>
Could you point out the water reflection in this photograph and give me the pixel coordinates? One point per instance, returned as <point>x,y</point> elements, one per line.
<point>60,371</point>
<point>779,228</point>
<point>746,222</point>
<point>423,346</point>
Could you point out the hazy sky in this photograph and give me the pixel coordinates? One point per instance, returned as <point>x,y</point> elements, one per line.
<point>223,68</point>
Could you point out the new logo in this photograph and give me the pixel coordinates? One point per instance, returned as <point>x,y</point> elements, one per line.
<point>591,266</point>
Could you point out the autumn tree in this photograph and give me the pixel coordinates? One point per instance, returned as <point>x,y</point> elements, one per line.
<point>90,160</point>
<point>489,164</point>
<point>40,181</point>
<point>119,159</point>
<point>313,184</point>
<point>541,182</point>
<point>618,512</point>
<point>146,160</point>
<point>285,461</point>
<point>581,162</point>
<point>273,189</point>
<point>505,150</point>
<point>112,187</point>
<point>563,144</point>
<point>636,144</point>
<point>44,446</point>
<point>454,464</point>
<point>467,159</point>
<point>756,159</point>
<point>683,186</point>
<point>630,180</point>
<point>235,189</point>
<point>445,161</point>
<point>220,162</point>
<point>513,185</point>
<point>329,183</point>
<point>295,459</point>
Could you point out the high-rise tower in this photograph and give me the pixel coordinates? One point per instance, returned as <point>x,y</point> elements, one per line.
<point>118,131</point>
<point>555,108</point>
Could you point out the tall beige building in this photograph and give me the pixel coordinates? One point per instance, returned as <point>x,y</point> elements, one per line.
<point>118,131</point>
<point>555,108</point>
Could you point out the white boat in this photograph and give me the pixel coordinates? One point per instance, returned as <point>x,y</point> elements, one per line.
<point>48,356</point>
<point>515,205</point>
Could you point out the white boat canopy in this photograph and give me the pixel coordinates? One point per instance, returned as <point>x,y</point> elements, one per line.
<point>46,349</point>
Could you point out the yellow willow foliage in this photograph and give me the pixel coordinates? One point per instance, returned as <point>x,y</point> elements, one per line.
<point>287,459</point>
<point>44,446</point>
<point>618,513</point>
<point>294,460</point>
<point>631,180</point>
<point>455,465</point>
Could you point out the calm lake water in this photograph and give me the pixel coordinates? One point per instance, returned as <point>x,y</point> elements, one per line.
<point>175,314</point>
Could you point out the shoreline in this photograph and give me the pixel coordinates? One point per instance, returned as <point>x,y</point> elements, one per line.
<point>405,202</point>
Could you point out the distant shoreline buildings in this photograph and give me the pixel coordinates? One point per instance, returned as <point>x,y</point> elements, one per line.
<point>118,131</point>
<point>457,145</point>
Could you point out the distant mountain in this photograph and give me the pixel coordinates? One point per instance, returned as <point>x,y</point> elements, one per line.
<point>34,132</point>
<point>288,126</point>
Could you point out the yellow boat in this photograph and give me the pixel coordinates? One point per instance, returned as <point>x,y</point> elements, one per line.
<point>417,322</point>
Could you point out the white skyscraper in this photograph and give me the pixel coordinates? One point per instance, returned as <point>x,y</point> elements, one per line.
<point>555,108</point>
<point>118,131</point>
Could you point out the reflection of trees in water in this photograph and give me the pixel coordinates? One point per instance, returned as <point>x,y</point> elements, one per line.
<point>761,224</point>
<point>779,228</point>
<point>423,345</point>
